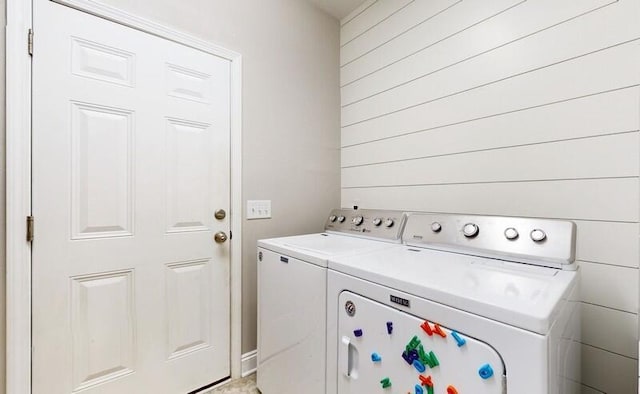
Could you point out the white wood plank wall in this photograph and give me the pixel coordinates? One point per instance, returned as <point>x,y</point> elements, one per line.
<point>508,107</point>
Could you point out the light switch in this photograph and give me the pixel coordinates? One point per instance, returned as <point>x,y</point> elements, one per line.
<point>258,209</point>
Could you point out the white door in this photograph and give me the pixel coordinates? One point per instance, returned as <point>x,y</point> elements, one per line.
<point>130,161</point>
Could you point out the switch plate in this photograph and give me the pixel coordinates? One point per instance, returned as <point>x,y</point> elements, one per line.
<point>258,209</point>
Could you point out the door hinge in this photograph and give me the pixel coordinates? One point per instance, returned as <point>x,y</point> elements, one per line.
<point>30,42</point>
<point>30,229</point>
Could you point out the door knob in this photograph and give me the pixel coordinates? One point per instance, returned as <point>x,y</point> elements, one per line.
<point>220,237</point>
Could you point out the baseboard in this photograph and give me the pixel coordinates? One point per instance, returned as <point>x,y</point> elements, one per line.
<point>249,362</point>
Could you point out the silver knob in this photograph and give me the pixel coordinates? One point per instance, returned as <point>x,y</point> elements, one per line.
<point>511,233</point>
<point>220,237</point>
<point>377,221</point>
<point>388,223</point>
<point>333,218</point>
<point>538,235</point>
<point>436,227</point>
<point>357,220</point>
<point>341,218</point>
<point>470,230</point>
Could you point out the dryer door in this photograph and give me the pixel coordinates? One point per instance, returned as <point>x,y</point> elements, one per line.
<point>384,348</point>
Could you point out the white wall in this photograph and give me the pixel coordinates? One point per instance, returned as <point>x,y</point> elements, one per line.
<point>508,107</point>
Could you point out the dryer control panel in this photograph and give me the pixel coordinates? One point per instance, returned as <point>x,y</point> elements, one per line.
<point>370,223</point>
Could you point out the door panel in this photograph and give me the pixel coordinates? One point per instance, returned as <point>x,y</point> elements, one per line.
<point>103,333</point>
<point>452,363</point>
<point>130,161</point>
<point>189,312</point>
<point>101,171</point>
<point>188,171</point>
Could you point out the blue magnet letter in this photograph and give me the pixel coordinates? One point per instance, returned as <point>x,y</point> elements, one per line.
<point>459,340</point>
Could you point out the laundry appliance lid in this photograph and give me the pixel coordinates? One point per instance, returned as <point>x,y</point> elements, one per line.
<point>525,296</point>
<point>319,247</point>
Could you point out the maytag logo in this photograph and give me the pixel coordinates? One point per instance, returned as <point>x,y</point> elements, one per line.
<point>399,300</point>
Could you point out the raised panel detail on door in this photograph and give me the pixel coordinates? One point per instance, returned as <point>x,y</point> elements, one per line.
<point>188,175</point>
<point>102,328</point>
<point>188,311</point>
<point>188,84</point>
<point>101,171</point>
<point>97,61</point>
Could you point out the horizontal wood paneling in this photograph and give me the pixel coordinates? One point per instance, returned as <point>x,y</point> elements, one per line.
<point>605,113</point>
<point>371,16</point>
<point>519,108</point>
<point>609,372</point>
<point>530,162</point>
<point>609,286</point>
<point>355,13</point>
<point>418,39</point>
<point>564,81</point>
<point>405,19</point>
<point>571,78</point>
<point>608,243</point>
<point>579,37</point>
<point>528,24</point>
<point>572,199</point>
<point>620,337</point>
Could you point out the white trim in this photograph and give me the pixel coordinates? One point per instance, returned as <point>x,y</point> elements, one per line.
<point>18,197</point>
<point>236,216</point>
<point>18,178</point>
<point>124,18</point>
<point>249,363</point>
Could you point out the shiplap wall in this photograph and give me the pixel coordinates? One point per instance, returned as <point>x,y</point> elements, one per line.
<point>508,107</point>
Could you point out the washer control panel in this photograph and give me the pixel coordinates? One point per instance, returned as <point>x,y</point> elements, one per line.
<point>373,223</point>
<point>529,240</point>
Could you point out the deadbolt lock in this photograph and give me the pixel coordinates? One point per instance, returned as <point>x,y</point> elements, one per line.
<point>220,214</point>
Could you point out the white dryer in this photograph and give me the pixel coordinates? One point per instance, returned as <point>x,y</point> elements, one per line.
<point>468,304</point>
<point>292,285</point>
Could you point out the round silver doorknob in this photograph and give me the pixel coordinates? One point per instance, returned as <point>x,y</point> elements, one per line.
<point>220,237</point>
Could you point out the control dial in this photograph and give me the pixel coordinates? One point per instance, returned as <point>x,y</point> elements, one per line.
<point>511,233</point>
<point>388,223</point>
<point>470,230</point>
<point>377,221</point>
<point>341,218</point>
<point>357,220</point>
<point>436,227</point>
<point>333,218</point>
<point>538,235</point>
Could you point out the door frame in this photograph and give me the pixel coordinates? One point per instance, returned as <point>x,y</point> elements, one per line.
<point>18,177</point>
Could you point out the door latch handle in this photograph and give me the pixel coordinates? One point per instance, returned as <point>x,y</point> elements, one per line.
<point>220,237</point>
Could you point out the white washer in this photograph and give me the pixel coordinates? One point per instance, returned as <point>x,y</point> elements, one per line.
<point>506,286</point>
<point>292,285</point>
